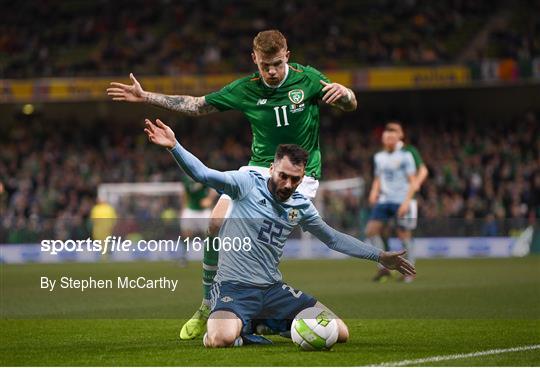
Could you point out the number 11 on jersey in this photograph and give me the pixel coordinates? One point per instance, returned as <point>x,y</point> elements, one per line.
<point>278,120</point>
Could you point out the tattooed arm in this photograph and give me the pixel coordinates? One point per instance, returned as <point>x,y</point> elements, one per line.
<point>339,96</point>
<point>193,106</point>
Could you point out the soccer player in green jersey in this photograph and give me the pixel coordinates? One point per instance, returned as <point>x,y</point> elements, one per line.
<point>281,102</point>
<point>198,201</point>
<point>407,213</point>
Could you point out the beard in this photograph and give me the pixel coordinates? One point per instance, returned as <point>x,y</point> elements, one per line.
<point>280,194</point>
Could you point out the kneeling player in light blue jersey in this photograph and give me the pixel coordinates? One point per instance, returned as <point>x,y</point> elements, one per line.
<point>265,210</point>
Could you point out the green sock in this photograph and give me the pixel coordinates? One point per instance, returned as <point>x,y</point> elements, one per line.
<point>210,261</point>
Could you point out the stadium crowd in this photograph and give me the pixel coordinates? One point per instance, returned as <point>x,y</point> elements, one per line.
<point>479,171</point>
<point>520,38</point>
<point>90,38</point>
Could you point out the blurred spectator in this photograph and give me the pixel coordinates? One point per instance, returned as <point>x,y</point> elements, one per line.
<point>104,218</point>
<point>490,227</point>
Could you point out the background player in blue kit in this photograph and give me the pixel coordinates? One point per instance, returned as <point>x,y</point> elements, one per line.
<point>248,284</point>
<point>391,193</point>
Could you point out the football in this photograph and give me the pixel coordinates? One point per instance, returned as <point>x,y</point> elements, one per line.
<point>314,329</point>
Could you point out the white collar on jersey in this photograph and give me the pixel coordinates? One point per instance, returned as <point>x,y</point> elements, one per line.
<point>399,145</point>
<point>280,83</point>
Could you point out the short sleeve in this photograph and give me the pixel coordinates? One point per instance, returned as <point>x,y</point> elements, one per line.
<point>376,167</point>
<point>317,76</point>
<point>310,216</point>
<point>227,98</point>
<point>416,156</point>
<point>410,167</point>
<point>238,184</point>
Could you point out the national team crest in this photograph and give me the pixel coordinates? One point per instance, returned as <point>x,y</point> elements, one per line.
<point>293,215</point>
<point>296,96</point>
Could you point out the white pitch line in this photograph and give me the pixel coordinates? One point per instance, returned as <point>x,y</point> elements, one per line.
<point>440,358</point>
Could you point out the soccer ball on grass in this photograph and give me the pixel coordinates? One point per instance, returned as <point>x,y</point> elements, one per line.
<point>314,329</point>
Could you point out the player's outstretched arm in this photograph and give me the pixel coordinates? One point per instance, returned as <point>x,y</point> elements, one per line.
<point>339,96</point>
<point>395,261</point>
<point>162,135</point>
<point>190,105</point>
<point>353,247</point>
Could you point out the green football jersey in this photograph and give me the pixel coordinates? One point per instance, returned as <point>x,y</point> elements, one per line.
<point>288,113</point>
<point>416,155</point>
<point>195,193</point>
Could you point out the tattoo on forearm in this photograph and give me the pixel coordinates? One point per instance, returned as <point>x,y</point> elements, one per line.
<point>193,106</point>
<point>347,104</point>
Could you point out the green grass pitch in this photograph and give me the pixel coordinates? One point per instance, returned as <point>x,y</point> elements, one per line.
<point>454,307</point>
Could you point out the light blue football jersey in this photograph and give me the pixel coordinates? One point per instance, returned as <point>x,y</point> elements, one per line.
<point>266,222</point>
<point>393,169</point>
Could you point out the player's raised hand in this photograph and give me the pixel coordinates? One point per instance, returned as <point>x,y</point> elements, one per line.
<point>124,92</point>
<point>159,133</point>
<point>334,92</point>
<point>395,261</point>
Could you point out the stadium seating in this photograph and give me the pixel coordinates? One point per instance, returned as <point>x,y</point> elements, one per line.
<point>91,38</point>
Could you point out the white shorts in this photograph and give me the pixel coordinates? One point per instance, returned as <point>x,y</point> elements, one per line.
<point>195,220</point>
<point>409,221</point>
<point>307,187</point>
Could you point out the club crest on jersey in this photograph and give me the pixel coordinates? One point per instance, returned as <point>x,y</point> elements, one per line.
<point>293,215</point>
<point>296,96</point>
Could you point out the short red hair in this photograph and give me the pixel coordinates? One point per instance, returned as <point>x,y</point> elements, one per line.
<point>269,42</point>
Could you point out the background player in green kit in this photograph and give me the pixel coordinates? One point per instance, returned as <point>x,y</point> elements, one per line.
<point>198,202</point>
<point>281,102</point>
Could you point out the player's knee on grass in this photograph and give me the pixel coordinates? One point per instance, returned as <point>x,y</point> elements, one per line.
<point>343,331</point>
<point>220,339</point>
<point>223,329</point>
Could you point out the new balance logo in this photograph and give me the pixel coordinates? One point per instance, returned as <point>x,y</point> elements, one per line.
<point>262,202</point>
<point>262,101</point>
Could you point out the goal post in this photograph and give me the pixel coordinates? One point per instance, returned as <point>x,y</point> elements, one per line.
<point>112,192</point>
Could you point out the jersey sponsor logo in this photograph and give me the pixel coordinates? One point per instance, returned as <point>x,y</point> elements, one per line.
<point>226,299</point>
<point>262,101</point>
<point>262,202</point>
<point>296,96</point>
